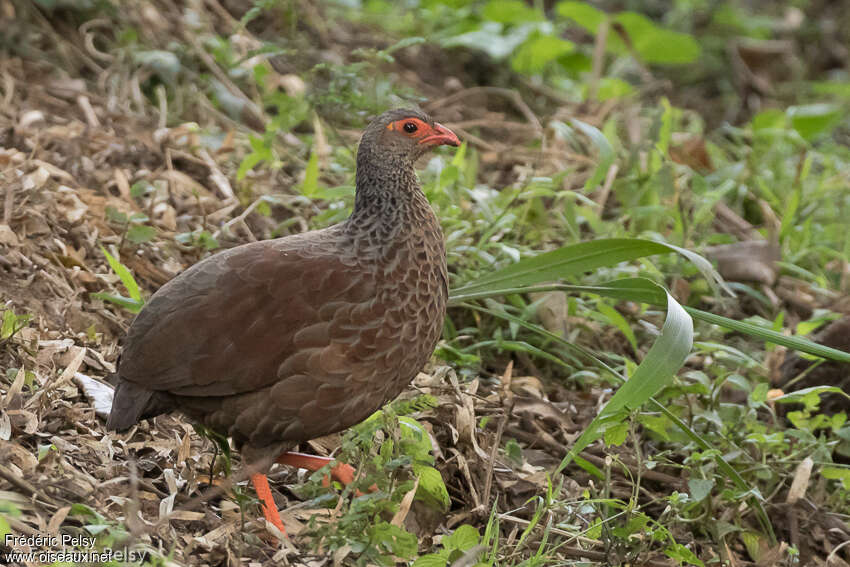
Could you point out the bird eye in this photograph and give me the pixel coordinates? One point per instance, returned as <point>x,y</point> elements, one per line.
<point>410,127</point>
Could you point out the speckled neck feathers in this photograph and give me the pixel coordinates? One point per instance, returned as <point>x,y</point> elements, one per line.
<point>389,203</point>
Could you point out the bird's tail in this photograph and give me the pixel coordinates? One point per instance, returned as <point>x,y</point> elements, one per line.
<point>130,404</point>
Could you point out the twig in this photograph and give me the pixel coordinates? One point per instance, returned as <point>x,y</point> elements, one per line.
<point>598,58</point>
<point>162,99</point>
<point>508,403</point>
<point>217,177</point>
<point>21,527</point>
<point>572,536</point>
<point>226,16</point>
<point>624,35</point>
<point>464,135</point>
<point>88,39</point>
<point>254,111</point>
<point>510,94</point>
<point>602,197</point>
<point>239,219</point>
<point>8,202</point>
<point>85,105</point>
<point>20,483</point>
<point>8,89</point>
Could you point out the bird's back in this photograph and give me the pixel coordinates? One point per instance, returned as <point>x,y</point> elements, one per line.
<point>287,339</point>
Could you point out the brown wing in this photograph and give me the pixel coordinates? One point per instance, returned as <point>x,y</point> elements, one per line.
<point>240,321</point>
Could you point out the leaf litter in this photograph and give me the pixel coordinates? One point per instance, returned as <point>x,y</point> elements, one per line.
<point>80,159</point>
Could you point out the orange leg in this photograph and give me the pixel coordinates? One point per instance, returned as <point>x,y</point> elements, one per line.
<point>342,472</point>
<point>264,493</point>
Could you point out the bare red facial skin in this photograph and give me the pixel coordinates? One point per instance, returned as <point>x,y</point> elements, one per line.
<point>436,135</point>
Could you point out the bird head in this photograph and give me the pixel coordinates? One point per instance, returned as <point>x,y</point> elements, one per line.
<point>404,134</point>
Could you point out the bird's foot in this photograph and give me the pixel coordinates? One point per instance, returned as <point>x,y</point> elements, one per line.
<point>264,493</point>
<point>342,472</point>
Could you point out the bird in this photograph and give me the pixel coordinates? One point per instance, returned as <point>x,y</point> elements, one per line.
<point>276,342</point>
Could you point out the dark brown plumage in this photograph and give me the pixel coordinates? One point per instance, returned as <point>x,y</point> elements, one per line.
<point>281,341</point>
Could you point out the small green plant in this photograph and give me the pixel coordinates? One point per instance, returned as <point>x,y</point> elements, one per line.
<point>12,324</point>
<point>200,239</point>
<point>134,303</point>
<point>394,453</point>
<point>133,227</point>
<point>453,547</point>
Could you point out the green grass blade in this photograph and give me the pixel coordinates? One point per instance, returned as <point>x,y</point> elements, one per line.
<point>131,305</point>
<point>648,294</point>
<point>124,274</point>
<point>727,469</point>
<point>636,289</point>
<point>657,369</point>
<point>576,259</point>
<point>796,343</point>
<point>730,471</point>
<point>606,152</point>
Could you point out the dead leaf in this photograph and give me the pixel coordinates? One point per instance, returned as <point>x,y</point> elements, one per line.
<point>100,395</point>
<point>36,179</point>
<point>8,236</point>
<point>404,505</point>
<point>57,519</point>
<point>5,426</point>
<point>552,311</point>
<point>747,261</point>
<point>69,204</point>
<point>801,481</point>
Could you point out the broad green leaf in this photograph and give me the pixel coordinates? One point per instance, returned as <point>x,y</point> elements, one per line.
<point>140,233</point>
<point>831,88</point>
<point>124,275</point>
<point>463,538</point>
<point>616,434</point>
<point>612,87</point>
<point>417,437</point>
<point>700,488</point>
<point>13,323</point>
<point>582,13</point>
<point>681,554</point>
<point>431,490</point>
<point>837,473</point>
<point>247,165</point>
<point>393,539</point>
<point>655,44</point>
<point>539,50</point>
<point>510,12</point>
<point>769,119</point>
<point>432,560</point>
<point>813,119</point>
<point>492,39</point>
